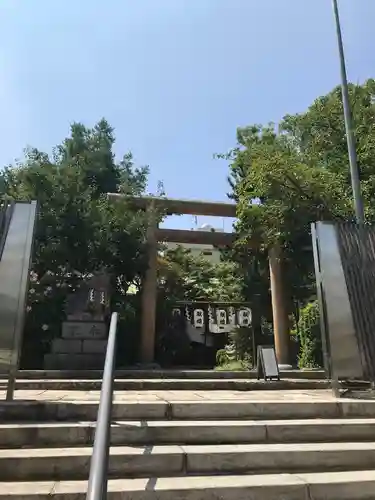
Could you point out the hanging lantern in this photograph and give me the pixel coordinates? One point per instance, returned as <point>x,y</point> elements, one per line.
<point>211,320</point>
<point>187,314</point>
<point>221,316</point>
<point>210,316</point>
<point>245,317</point>
<point>232,316</point>
<point>198,318</point>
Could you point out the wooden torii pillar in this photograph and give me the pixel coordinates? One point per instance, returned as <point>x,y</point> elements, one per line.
<point>172,206</point>
<point>149,292</point>
<point>281,325</point>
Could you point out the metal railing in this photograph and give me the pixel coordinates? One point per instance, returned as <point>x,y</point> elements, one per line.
<point>98,479</point>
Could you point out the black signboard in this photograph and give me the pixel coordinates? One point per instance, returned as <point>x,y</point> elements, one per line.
<point>267,367</point>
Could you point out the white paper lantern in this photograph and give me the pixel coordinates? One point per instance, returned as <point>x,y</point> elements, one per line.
<point>244,317</point>
<point>198,318</point>
<point>221,317</point>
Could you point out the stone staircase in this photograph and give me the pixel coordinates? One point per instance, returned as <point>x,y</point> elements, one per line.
<point>190,444</point>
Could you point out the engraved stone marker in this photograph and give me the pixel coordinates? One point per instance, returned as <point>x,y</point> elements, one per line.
<point>83,330</point>
<point>84,333</point>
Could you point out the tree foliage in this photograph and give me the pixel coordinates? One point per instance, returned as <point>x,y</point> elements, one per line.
<point>184,276</point>
<point>283,178</point>
<point>79,231</point>
<point>307,331</point>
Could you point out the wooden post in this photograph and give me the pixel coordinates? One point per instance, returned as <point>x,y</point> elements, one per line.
<point>279,309</point>
<point>149,294</point>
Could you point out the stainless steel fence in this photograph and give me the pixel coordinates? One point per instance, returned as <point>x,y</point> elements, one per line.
<point>357,252</point>
<point>18,224</point>
<point>6,211</point>
<point>344,256</point>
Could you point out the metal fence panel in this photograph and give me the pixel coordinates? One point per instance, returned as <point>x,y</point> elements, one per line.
<point>357,252</point>
<point>14,276</point>
<point>340,337</point>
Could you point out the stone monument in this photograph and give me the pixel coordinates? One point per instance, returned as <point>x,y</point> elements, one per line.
<point>83,340</point>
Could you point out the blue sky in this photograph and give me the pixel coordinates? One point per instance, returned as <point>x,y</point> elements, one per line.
<point>174,77</point>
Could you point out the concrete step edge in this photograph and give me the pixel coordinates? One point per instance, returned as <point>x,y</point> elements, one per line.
<point>193,449</point>
<point>139,432</point>
<point>310,486</point>
<point>73,410</point>
<point>222,381</point>
<point>139,424</point>
<point>163,374</point>
<point>187,432</point>
<point>166,461</point>
<point>173,384</point>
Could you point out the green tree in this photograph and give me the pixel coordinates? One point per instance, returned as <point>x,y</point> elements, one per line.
<point>283,178</point>
<point>184,276</point>
<point>319,137</point>
<point>307,330</point>
<point>2,185</point>
<point>299,173</point>
<point>319,134</point>
<point>79,231</point>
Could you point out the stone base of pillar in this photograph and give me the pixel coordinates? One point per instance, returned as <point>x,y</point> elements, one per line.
<point>284,368</point>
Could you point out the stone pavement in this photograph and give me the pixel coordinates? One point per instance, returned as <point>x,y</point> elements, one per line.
<point>171,396</point>
<point>64,395</point>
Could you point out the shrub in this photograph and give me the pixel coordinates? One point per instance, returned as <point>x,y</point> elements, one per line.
<point>237,354</point>
<point>308,331</point>
<point>241,340</point>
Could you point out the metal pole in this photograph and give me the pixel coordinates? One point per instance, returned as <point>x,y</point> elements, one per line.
<point>354,171</point>
<point>97,485</point>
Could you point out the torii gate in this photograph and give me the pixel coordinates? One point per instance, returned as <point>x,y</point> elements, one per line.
<point>171,206</point>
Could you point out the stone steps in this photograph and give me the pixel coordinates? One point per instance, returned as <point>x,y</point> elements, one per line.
<point>178,384</point>
<point>162,432</point>
<point>164,374</point>
<point>86,410</point>
<point>181,460</point>
<point>354,485</point>
<point>227,445</point>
